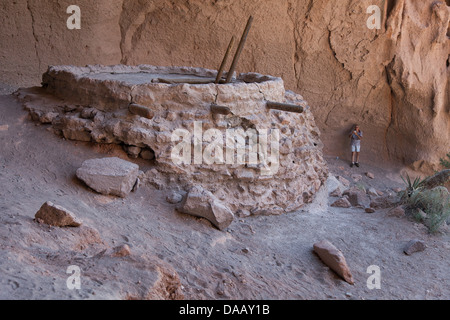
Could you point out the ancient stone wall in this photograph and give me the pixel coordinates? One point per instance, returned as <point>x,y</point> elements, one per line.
<point>256,160</point>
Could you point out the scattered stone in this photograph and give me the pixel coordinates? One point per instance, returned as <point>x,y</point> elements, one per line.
<point>384,202</point>
<point>246,250</point>
<point>334,259</point>
<point>147,154</point>
<point>109,176</point>
<point>357,197</point>
<point>370,210</point>
<point>132,151</point>
<point>356,177</point>
<point>121,251</point>
<point>174,197</point>
<point>57,216</point>
<point>335,187</point>
<point>370,175</point>
<point>202,203</point>
<point>344,181</point>
<point>342,203</point>
<point>439,179</point>
<point>414,246</point>
<point>397,212</point>
<point>372,192</point>
<point>243,213</point>
<point>397,190</point>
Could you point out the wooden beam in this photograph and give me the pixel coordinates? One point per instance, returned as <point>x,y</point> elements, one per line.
<point>239,50</point>
<point>216,109</point>
<point>288,107</point>
<point>225,59</point>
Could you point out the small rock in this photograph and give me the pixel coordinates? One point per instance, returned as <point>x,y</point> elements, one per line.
<point>397,190</point>
<point>132,151</point>
<point>334,259</point>
<point>370,175</point>
<point>243,213</point>
<point>397,212</point>
<point>384,202</point>
<point>372,192</point>
<point>121,251</point>
<point>357,197</point>
<point>202,203</point>
<point>246,250</point>
<point>147,154</point>
<point>414,246</point>
<point>174,197</point>
<point>342,203</point>
<point>57,216</point>
<point>109,176</point>
<point>344,181</point>
<point>356,177</point>
<point>335,187</point>
<point>370,210</point>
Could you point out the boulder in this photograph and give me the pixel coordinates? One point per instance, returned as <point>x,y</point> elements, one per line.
<point>370,175</point>
<point>109,176</point>
<point>357,197</point>
<point>334,259</point>
<point>397,212</point>
<point>57,216</point>
<point>384,202</point>
<point>202,203</point>
<point>342,203</point>
<point>335,187</point>
<point>414,246</point>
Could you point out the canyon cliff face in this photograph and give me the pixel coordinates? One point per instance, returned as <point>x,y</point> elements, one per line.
<point>393,81</point>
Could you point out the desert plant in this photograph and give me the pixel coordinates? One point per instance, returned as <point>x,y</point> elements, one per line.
<point>435,203</point>
<point>445,163</point>
<point>412,187</point>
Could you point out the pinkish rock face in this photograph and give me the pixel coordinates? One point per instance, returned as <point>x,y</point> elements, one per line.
<point>249,156</point>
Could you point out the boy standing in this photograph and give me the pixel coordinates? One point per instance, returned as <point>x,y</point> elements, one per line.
<point>356,137</point>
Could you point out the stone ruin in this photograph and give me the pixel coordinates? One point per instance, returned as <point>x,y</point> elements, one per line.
<point>140,107</point>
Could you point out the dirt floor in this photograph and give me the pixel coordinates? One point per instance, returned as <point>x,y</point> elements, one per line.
<point>261,257</point>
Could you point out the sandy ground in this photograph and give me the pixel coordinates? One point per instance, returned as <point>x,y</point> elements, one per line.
<point>262,257</point>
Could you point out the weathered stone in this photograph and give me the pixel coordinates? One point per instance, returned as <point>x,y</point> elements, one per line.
<point>109,176</point>
<point>384,202</point>
<point>147,154</point>
<point>372,192</point>
<point>397,212</point>
<point>121,251</point>
<point>204,204</point>
<point>132,151</point>
<point>439,179</point>
<point>370,210</point>
<point>334,259</point>
<point>357,197</point>
<point>370,175</point>
<point>57,216</point>
<point>344,181</point>
<point>335,187</point>
<point>342,203</point>
<point>174,197</point>
<point>414,246</point>
<point>356,177</point>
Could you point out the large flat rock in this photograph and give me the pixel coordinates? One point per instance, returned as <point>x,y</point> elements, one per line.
<point>109,176</point>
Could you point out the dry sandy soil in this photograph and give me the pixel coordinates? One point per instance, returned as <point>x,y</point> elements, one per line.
<point>261,257</point>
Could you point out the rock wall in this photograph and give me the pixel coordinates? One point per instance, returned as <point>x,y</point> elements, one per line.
<point>392,81</point>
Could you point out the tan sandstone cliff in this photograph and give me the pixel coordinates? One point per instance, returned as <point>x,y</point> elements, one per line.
<point>392,81</point>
